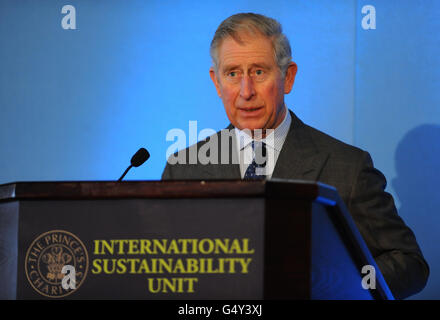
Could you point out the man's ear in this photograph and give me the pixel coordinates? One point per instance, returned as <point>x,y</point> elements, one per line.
<point>289,79</point>
<point>215,80</point>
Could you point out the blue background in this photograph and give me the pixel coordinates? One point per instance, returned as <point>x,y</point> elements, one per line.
<point>76,104</point>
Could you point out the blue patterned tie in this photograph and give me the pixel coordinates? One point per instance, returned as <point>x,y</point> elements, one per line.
<point>251,171</point>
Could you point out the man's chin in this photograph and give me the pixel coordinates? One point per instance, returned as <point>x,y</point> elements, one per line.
<point>250,125</point>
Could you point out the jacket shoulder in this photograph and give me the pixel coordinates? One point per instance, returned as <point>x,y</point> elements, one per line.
<point>332,145</point>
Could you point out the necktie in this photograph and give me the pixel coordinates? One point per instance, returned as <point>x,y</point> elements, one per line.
<point>254,171</point>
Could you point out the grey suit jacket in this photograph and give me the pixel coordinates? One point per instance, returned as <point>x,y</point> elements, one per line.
<point>309,154</point>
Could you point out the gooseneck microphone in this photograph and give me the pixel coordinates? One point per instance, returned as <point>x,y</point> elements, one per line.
<point>138,159</point>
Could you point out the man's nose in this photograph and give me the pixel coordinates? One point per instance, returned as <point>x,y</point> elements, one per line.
<point>247,89</point>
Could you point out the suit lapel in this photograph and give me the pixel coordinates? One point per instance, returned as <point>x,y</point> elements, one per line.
<point>299,157</point>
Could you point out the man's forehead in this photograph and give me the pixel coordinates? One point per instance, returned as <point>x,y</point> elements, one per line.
<point>254,48</point>
<point>243,38</point>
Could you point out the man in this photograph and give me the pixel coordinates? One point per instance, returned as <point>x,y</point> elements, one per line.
<point>252,71</point>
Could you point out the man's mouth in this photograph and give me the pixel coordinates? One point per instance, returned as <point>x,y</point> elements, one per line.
<point>250,109</point>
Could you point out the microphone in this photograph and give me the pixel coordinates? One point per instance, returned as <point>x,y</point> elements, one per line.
<point>138,159</point>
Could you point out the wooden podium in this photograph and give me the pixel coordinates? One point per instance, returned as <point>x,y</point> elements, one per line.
<point>276,239</point>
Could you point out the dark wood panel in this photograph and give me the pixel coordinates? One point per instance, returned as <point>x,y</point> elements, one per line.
<point>287,249</point>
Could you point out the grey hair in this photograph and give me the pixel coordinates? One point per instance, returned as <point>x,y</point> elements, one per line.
<point>253,23</point>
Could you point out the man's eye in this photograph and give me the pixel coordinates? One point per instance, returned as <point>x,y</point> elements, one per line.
<point>259,72</point>
<point>232,74</point>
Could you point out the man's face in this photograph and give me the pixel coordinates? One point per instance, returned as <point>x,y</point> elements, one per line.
<point>250,84</point>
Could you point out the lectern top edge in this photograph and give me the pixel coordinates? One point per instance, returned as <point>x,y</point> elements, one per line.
<point>166,189</point>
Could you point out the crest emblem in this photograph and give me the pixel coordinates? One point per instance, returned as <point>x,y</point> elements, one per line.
<point>46,257</point>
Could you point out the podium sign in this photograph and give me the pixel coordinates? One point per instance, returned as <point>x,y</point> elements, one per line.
<point>179,240</point>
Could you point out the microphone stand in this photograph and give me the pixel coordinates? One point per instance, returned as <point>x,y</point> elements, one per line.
<point>123,175</point>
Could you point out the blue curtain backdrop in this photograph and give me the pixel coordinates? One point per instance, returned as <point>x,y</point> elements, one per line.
<point>76,104</point>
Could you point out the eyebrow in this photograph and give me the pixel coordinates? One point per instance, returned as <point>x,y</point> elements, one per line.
<point>253,65</point>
